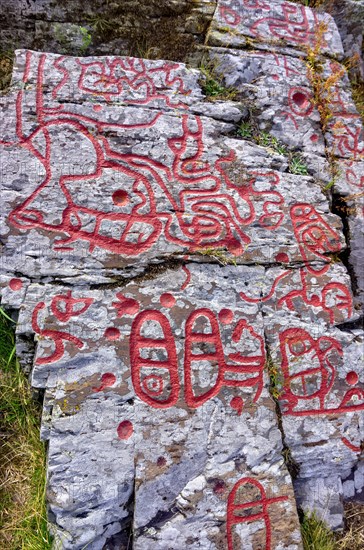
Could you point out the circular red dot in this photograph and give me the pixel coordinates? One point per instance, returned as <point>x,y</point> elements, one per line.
<point>97,107</point>
<point>300,99</point>
<point>314,137</point>
<point>125,429</point>
<point>282,257</point>
<point>120,197</point>
<point>161,461</point>
<point>108,379</point>
<point>237,403</point>
<point>352,378</point>
<point>275,77</point>
<point>167,300</point>
<point>16,284</point>
<point>235,248</point>
<point>112,333</point>
<point>226,316</point>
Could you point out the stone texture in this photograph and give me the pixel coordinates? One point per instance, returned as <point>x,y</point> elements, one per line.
<point>348,15</point>
<point>170,277</point>
<point>176,436</point>
<point>139,177</point>
<point>276,23</point>
<point>167,29</point>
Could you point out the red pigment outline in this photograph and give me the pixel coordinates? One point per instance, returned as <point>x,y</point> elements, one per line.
<point>69,302</point>
<point>241,364</point>
<point>142,79</point>
<point>346,302</point>
<point>227,10</point>
<point>233,519</point>
<point>138,342</point>
<point>326,370</point>
<point>188,277</point>
<point>55,335</point>
<point>216,218</point>
<point>306,222</point>
<point>296,32</point>
<point>352,447</point>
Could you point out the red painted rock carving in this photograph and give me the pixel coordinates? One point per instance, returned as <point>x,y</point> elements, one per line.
<point>155,380</point>
<point>125,429</point>
<point>15,284</point>
<point>315,236</point>
<point>206,216</point>
<point>112,333</point>
<point>333,298</point>
<point>242,510</point>
<point>292,25</point>
<point>125,306</point>
<point>125,77</point>
<point>64,307</point>
<point>57,336</point>
<point>107,380</point>
<point>240,371</point>
<point>309,370</point>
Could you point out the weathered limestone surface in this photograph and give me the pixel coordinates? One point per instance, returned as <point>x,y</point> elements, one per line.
<point>180,295</point>
<point>158,28</point>
<point>277,23</point>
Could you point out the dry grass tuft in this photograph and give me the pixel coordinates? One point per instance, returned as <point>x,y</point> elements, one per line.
<point>317,536</point>
<point>6,69</point>
<point>353,536</point>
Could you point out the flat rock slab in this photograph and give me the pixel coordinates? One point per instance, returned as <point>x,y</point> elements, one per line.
<point>135,410</point>
<point>275,23</point>
<point>181,297</point>
<point>106,167</point>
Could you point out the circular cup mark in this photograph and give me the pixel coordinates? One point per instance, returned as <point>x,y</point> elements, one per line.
<point>112,333</point>
<point>167,300</point>
<point>237,403</point>
<point>282,257</point>
<point>125,429</point>
<point>120,197</point>
<point>300,102</point>
<point>16,284</point>
<point>352,378</point>
<point>107,380</point>
<point>226,316</point>
<point>300,99</point>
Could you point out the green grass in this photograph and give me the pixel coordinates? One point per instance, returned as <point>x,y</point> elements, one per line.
<point>316,535</point>
<point>212,83</point>
<point>297,166</point>
<point>245,130</point>
<point>23,523</point>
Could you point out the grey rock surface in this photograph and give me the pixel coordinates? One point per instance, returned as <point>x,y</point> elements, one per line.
<point>176,265</point>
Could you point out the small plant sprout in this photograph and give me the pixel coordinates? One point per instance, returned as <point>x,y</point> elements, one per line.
<point>297,166</point>
<point>213,83</point>
<point>245,130</point>
<point>218,254</point>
